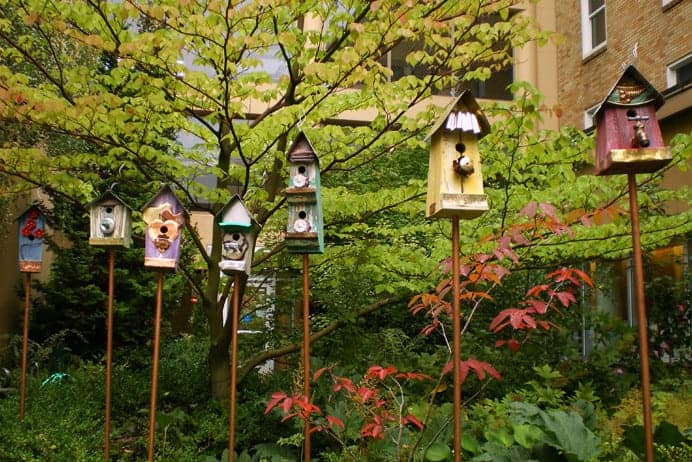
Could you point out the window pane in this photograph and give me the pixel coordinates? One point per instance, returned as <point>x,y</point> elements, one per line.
<point>598,29</point>
<point>684,73</point>
<point>594,5</point>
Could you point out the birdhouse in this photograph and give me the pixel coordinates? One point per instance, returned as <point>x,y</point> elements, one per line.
<point>455,183</point>
<point>164,218</point>
<point>110,222</point>
<point>304,233</point>
<point>628,137</point>
<point>238,240</point>
<point>32,228</point>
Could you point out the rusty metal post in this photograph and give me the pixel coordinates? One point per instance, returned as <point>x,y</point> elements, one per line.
<point>456,339</point>
<point>234,365</point>
<point>25,343</point>
<point>155,366</point>
<point>641,318</point>
<point>306,352</point>
<point>109,353</point>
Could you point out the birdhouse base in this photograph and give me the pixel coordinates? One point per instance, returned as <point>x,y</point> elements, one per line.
<point>232,266</point>
<point>109,242</point>
<point>29,266</point>
<point>303,243</point>
<point>163,263</point>
<point>643,160</point>
<point>459,205</point>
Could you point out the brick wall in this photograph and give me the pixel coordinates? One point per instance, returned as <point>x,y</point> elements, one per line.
<point>662,36</point>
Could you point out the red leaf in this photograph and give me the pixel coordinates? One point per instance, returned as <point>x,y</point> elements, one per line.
<point>277,397</point>
<point>380,372</point>
<point>319,372</point>
<point>529,210</point>
<point>566,298</point>
<point>335,421</point>
<point>537,289</point>
<point>413,420</point>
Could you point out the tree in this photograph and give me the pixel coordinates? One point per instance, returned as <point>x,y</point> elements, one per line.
<point>133,78</point>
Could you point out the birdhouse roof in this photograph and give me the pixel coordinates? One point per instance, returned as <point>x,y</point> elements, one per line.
<point>29,209</point>
<point>301,150</point>
<point>463,113</point>
<point>631,89</point>
<point>235,215</point>
<point>166,191</point>
<point>109,196</point>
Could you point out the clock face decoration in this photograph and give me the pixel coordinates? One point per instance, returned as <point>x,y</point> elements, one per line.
<point>301,225</point>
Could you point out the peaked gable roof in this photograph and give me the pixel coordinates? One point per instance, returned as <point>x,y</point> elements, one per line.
<point>631,89</point>
<point>235,214</point>
<point>301,150</point>
<point>462,113</point>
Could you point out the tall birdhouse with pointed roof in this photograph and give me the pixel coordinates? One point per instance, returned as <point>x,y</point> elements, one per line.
<point>628,137</point>
<point>455,183</point>
<point>238,240</point>
<point>32,229</point>
<point>304,233</point>
<point>164,218</point>
<point>110,222</point>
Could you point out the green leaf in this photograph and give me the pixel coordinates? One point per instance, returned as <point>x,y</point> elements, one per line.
<point>438,452</point>
<point>568,433</point>
<point>527,435</point>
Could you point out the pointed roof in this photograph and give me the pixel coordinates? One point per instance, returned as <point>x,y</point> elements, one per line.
<point>165,190</point>
<point>301,150</point>
<point>631,89</point>
<point>235,215</point>
<point>474,119</point>
<point>107,197</point>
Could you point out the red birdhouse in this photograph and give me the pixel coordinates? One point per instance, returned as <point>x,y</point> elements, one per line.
<point>628,137</point>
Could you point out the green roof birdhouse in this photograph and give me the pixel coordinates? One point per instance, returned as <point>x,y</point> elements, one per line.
<point>628,136</point>
<point>455,183</point>
<point>304,233</point>
<point>110,222</point>
<point>238,240</point>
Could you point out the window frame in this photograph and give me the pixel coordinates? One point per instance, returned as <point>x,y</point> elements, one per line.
<point>589,114</point>
<point>672,70</point>
<point>588,48</point>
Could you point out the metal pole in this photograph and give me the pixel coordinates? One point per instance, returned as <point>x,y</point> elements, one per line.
<point>234,365</point>
<point>109,352</point>
<point>25,344</point>
<point>456,339</point>
<point>641,317</point>
<point>155,366</point>
<point>306,352</point>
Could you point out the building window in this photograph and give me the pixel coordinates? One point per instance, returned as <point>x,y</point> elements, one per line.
<point>680,72</point>
<point>593,26</point>
<point>589,114</point>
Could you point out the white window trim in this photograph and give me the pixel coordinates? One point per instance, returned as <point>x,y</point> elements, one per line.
<point>671,70</point>
<point>587,47</point>
<point>589,115</point>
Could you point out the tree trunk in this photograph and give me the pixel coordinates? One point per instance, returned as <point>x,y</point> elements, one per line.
<point>219,367</point>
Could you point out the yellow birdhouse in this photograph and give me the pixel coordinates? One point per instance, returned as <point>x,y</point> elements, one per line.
<point>455,182</point>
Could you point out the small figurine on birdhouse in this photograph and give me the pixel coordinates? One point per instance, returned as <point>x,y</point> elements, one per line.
<point>455,183</point>
<point>110,222</point>
<point>628,137</point>
<point>164,217</point>
<point>305,232</point>
<point>32,229</point>
<point>238,240</point>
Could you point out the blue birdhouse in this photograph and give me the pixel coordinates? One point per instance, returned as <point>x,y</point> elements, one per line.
<point>32,229</point>
<point>164,217</point>
<point>110,222</point>
<point>238,240</point>
<point>304,233</point>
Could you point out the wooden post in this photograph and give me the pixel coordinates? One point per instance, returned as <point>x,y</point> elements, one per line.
<point>155,366</point>
<point>109,353</point>
<point>456,339</point>
<point>641,318</point>
<point>306,352</point>
<point>25,343</point>
<point>234,364</point>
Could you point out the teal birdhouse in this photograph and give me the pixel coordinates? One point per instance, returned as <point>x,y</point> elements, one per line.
<point>164,218</point>
<point>238,240</point>
<point>110,222</point>
<point>32,229</point>
<point>305,233</point>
